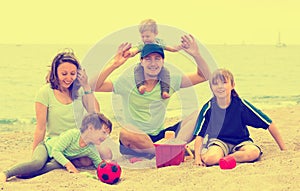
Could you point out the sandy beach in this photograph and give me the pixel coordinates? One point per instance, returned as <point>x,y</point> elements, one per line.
<point>276,170</point>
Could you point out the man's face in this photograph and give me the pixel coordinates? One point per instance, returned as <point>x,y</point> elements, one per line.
<point>152,64</point>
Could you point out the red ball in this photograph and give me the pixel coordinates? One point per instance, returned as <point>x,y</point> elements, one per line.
<point>109,172</point>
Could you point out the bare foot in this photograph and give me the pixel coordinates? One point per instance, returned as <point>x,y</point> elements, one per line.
<point>165,95</point>
<point>3,177</point>
<point>142,89</point>
<point>135,159</point>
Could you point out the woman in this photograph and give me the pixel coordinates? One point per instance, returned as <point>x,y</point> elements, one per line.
<point>60,103</point>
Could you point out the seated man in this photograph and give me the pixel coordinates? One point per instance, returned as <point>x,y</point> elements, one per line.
<point>142,112</point>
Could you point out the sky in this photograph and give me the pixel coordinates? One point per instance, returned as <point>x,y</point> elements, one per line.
<point>212,21</point>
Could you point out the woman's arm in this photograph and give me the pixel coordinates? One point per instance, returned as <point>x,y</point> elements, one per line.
<point>41,123</point>
<point>88,99</point>
<point>277,137</point>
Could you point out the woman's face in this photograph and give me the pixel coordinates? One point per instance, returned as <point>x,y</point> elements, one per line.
<point>67,73</point>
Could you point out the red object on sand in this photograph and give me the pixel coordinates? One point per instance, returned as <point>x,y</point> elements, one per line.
<point>109,172</point>
<point>227,162</point>
<point>169,154</point>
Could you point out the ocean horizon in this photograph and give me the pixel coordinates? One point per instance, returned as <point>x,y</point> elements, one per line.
<point>265,75</point>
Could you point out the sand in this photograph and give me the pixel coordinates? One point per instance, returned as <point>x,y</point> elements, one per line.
<point>276,170</point>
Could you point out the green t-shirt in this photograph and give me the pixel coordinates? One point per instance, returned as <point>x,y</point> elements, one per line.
<point>61,117</point>
<point>147,111</point>
<point>66,147</point>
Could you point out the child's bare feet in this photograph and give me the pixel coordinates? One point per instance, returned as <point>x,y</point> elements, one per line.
<point>165,95</point>
<point>142,89</point>
<point>3,177</point>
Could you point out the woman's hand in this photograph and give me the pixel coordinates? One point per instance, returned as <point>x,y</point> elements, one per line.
<point>83,79</point>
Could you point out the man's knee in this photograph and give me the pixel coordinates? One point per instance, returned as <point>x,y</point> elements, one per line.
<point>125,137</point>
<point>187,127</point>
<point>128,137</point>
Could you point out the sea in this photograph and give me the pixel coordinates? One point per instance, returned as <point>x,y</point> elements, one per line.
<point>265,75</point>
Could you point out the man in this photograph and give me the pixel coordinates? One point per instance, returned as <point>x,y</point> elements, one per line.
<point>145,114</point>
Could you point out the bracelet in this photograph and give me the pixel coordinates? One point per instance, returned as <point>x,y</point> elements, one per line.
<point>88,92</point>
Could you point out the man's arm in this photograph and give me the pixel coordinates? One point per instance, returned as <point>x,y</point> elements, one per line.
<point>190,46</point>
<point>101,83</point>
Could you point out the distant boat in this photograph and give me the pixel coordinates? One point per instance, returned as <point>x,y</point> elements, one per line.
<point>279,43</point>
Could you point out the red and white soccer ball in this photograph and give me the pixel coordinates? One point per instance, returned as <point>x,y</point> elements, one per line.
<point>109,172</point>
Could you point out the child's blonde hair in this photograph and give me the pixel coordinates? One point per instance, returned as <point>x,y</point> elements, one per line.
<point>148,25</point>
<point>224,75</point>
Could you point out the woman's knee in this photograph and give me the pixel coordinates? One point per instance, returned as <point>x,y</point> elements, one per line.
<point>37,164</point>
